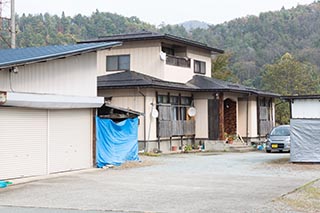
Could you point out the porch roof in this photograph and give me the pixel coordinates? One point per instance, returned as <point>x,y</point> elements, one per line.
<point>132,79</point>
<point>204,83</point>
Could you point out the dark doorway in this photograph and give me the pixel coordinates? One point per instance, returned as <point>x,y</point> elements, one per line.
<point>213,119</point>
<point>230,116</point>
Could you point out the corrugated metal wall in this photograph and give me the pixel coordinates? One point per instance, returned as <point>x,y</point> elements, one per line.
<point>70,76</point>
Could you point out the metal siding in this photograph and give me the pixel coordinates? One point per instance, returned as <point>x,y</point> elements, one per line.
<point>23,142</point>
<point>69,140</point>
<point>70,76</point>
<point>4,80</point>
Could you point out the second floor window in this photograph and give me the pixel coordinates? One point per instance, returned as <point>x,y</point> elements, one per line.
<point>199,67</point>
<point>118,62</point>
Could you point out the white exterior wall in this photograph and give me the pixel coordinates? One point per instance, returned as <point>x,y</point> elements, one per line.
<point>201,118</point>
<point>184,74</point>
<point>242,117</point>
<point>201,105</point>
<point>305,108</point>
<point>129,99</point>
<point>253,126</point>
<point>273,113</point>
<point>132,99</point>
<point>151,128</point>
<point>252,119</point>
<point>144,58</point>
<point>69,76</point>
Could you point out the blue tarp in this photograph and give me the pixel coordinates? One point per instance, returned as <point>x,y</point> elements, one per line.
<point>116,142</point>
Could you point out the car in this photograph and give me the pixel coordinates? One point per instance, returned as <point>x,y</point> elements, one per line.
<point>279,139</point>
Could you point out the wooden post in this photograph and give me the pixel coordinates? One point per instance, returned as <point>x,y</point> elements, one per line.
<point>94,140</point>
<point>258,117</point>
<point>221,116</point>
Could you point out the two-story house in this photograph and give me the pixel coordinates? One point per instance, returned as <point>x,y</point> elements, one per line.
<point>47,96</point>
<point>168,78</point>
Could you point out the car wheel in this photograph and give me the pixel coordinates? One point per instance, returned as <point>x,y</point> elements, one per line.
<point>268,151</point>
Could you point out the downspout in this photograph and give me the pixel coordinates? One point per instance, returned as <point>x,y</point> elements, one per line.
<point>144,120</point>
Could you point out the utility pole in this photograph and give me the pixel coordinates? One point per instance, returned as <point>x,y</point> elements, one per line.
<point>13,25</point>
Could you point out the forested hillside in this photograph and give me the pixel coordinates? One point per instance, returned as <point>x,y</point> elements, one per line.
<point>46,29</point>
<point>252,41</point>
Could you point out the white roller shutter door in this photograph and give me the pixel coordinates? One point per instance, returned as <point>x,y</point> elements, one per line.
<point>23,142</point>
<point>69,140</point>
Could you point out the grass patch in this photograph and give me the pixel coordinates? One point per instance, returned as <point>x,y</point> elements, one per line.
<point>150,154</point>
<point>305,198</point>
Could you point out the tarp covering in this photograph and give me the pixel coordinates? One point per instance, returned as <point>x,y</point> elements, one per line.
<point>116,142</point>
<point>305,140</point>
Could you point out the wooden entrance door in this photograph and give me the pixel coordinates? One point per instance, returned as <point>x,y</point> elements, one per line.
<point>213,119</point>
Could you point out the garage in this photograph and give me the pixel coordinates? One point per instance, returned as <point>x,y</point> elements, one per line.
<point>23,141</point>
<point>69,140</point>
<point>39,141</point>
<point>47,97</point>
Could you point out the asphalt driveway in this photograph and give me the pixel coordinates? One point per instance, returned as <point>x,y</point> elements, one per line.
<point>206,182</point>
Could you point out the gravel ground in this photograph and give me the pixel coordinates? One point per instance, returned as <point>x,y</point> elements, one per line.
<point>203,182</point>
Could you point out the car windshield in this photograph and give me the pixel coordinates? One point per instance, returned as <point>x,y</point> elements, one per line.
<point>280,131</point>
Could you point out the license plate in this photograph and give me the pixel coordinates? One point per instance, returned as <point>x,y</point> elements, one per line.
<point>274,146</point>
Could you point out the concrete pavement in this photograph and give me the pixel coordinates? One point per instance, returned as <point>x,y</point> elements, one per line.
<point>206,182</point>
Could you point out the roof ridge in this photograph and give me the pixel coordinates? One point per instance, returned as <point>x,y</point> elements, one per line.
<point>143,32</point>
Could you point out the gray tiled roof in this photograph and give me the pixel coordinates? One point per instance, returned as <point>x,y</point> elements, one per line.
<point>20,56</point>
<point>131,79</point>
<point>146,35</point>
<point>204,83</point>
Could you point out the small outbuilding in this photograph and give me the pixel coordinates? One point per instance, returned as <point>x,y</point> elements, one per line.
<point>304,127</point>
<point>48,97</point>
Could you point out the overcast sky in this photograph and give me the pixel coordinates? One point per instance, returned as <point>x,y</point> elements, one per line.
<point>158,11</point>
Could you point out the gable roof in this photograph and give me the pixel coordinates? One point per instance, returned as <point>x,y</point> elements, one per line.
<point>146,35</point>
<point>204,83</point>
<point>132,79</point>
<point>21,56</point>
